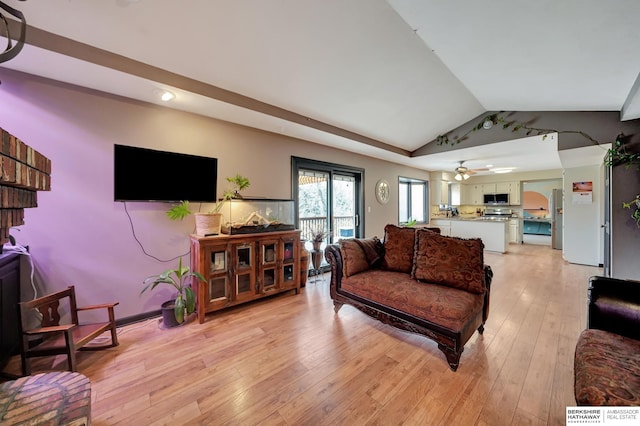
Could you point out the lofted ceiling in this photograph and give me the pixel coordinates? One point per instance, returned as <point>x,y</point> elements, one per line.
<point>380,78</point>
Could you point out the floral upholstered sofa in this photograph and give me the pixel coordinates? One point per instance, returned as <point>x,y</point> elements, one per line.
<point>607,356</point>
<point>416,280</point>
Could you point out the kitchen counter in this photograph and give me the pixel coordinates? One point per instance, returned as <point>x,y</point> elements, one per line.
<point>494,232</point>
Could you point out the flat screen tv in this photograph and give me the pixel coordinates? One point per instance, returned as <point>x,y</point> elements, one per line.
<point>142,174</point>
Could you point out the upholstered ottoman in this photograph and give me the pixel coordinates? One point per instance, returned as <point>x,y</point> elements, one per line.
<point>60,398</point>
<point>607,369</point>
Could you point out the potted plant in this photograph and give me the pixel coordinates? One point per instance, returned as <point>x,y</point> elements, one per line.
<point>209,223</point>
<point>317,237</point>
<point>185,301</point>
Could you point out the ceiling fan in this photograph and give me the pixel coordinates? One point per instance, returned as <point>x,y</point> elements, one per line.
<point>463,173</point>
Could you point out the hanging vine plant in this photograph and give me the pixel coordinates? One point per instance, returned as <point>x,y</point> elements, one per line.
<point>634,204</point>
<point>513,125</point>
<point>618,154</point>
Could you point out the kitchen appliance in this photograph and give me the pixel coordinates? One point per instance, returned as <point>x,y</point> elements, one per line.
<point>497,214</point>
<point>496,199</point>
<point>555,211</point>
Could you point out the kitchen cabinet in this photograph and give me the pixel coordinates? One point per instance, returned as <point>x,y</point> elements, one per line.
<point>475,195</point>
<point>503,187</point>
<point>443,224</point>
<point>514,231</point>
<point>511,188</point>
<point>435,192</point>
<point>444,192</point>
<point>488,188</point>
<point>455,190</point>
<point>439,190</point>
<point>515,194</point>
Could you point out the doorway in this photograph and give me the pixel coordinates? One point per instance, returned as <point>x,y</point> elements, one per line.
<point>539,205</point>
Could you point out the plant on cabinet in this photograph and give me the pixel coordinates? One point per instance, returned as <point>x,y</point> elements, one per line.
<point>209,223</point>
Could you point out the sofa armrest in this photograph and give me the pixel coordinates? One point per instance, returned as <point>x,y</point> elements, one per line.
<point>488,276</point>
<point>614,306</point>
<point>334,257</point>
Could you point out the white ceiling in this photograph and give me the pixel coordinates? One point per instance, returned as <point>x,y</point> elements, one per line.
<point>381,78</point>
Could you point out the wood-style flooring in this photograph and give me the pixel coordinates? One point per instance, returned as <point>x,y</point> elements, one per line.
<point>290,360</point>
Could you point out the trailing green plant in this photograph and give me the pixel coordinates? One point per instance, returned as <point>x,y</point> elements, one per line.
<point>411,222</point>
<point>177,278</point>
<point>618,154</point>
<point>513,125</point>
<point>635,204</point>
<point>238,183</point>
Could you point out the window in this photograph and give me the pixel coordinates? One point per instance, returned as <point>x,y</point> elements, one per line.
<point>412,200</point>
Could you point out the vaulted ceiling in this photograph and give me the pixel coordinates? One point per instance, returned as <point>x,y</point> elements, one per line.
<point>381,78</point>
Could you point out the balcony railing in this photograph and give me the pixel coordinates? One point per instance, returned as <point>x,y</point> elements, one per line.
<point>343,227</point>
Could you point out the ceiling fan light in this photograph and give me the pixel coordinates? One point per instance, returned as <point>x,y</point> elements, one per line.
<point>458,177</point>
<point>465,176</point>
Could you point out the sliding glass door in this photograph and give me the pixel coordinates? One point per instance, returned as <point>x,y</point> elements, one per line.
<point>329,200</point>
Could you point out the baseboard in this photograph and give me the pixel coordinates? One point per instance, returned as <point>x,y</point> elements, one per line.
<point>137,318</point>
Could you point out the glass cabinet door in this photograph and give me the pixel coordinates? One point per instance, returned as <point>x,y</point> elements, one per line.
<point>244,286</point>
<point>217,279</point>
<point>268,271</point>
<point>290,247</point>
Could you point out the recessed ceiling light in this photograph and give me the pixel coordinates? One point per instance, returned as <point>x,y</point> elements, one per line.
<point>167,96</point>
<point>163,94</point>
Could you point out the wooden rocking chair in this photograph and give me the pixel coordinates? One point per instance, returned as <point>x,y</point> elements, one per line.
<point>59,338</point>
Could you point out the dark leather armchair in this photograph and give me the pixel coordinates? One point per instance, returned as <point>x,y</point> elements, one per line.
<point>607,358</point>
<point>614,306</point>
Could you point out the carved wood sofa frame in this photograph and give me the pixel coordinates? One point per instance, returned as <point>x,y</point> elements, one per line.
<point>450,342</point>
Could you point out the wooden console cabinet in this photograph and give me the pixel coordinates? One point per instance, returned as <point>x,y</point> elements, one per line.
<point>241,268</point>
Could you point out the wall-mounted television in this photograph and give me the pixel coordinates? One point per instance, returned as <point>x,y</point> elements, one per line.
<point>142,174</point>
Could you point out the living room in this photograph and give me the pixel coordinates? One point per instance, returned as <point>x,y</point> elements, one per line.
<point>79,235</point>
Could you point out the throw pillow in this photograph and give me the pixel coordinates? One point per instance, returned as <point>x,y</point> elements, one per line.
<point>359,254</point>
<point>398,248</point>
<point>451,261</point>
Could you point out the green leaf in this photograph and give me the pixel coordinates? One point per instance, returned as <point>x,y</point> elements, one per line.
<point>198,275</point>
<point>180,211</point>
<point>191,300</point>
<point>179,309</point>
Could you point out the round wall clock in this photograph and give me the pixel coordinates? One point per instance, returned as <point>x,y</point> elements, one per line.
<point>382,191</point>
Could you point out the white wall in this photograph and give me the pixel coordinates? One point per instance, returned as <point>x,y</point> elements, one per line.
<point>582,232</point>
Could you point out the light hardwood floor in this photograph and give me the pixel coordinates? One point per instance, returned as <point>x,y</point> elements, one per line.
<point>290,360</point>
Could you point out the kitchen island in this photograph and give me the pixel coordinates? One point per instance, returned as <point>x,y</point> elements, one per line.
<point>494,233</point>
